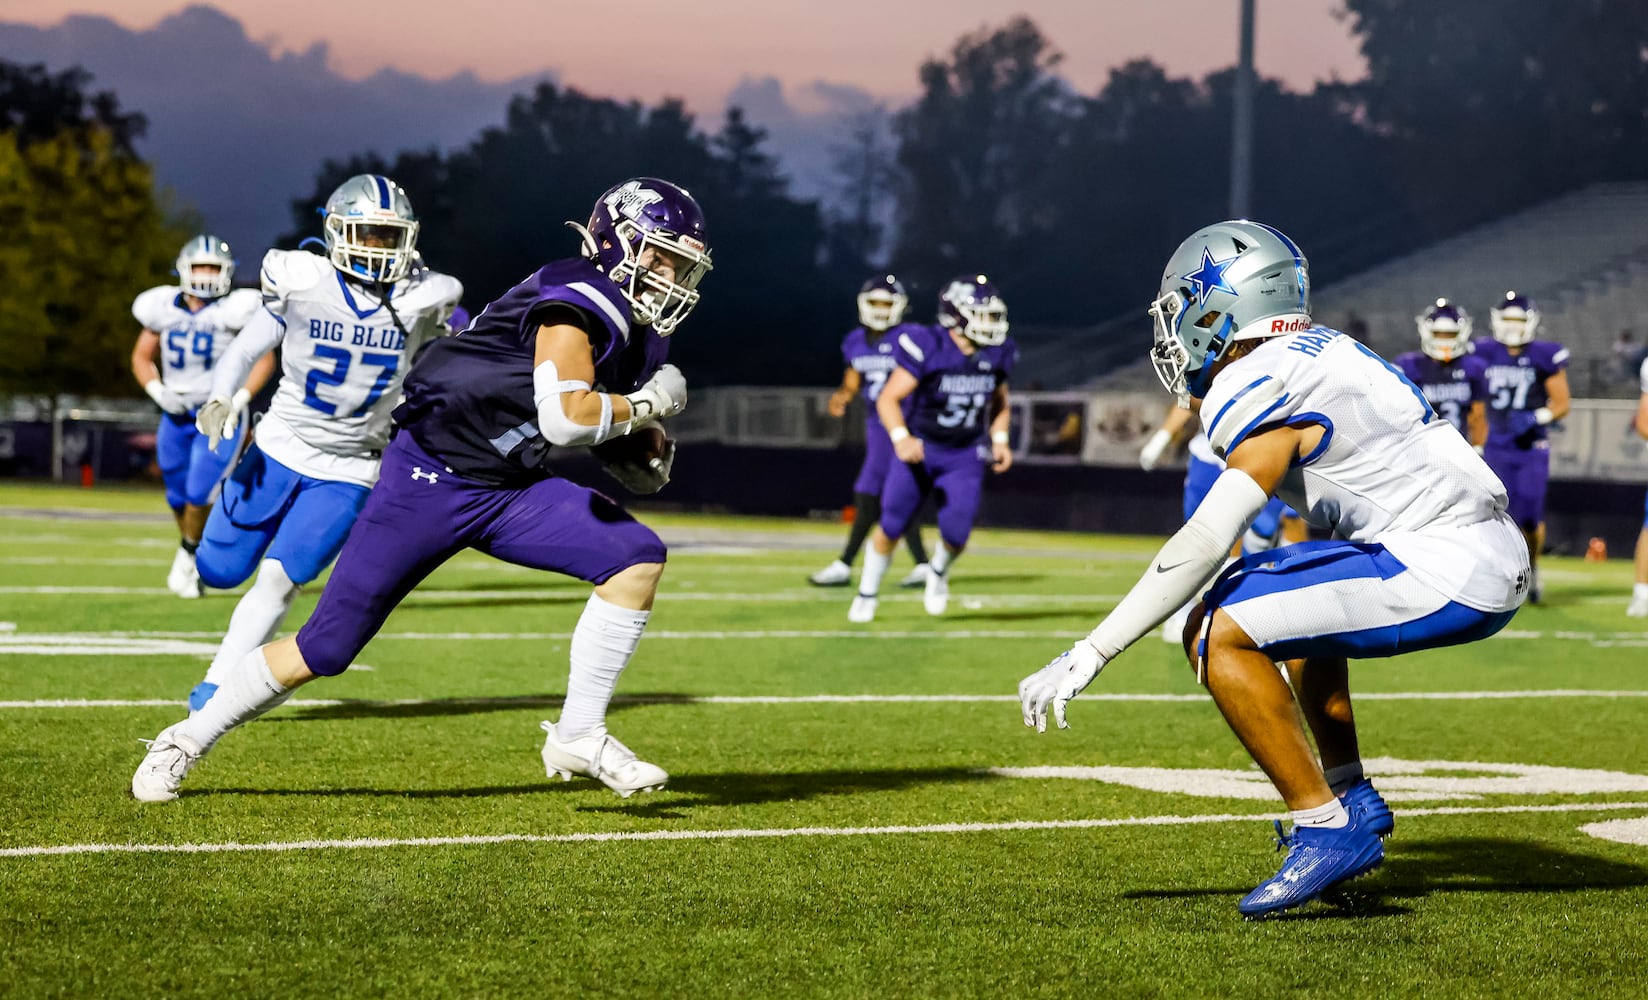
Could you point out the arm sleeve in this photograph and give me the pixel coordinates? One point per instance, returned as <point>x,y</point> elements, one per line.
<point>257,338</point>
<point>1184,564</point>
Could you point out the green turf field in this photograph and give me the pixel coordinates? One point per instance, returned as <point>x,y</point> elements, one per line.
<point>850,811</point>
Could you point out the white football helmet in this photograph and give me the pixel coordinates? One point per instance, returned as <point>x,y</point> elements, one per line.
<point>206,251</point>
<point>1231,281</point>
<point>1514,320</point>
<point>881,304</point>
<point>972,305</point>
<point>371,232</point>
<point>1444,331</point>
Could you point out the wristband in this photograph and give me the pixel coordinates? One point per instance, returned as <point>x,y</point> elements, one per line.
<point>898,434</point>
<point>998,437</point>
<point>1543,416</point>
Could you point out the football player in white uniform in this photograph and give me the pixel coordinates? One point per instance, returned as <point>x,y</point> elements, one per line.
<point>187,327</point>
<point>1423,554</point>
<point>348,325</point>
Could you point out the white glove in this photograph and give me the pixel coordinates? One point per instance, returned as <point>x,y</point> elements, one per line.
<point>663,396</point>
<point>237,411</point>
<point>1153,449</point>
<point>165,397</point>
<point>1055,684</point>
<point>644,479</point>
<point>214,418</point>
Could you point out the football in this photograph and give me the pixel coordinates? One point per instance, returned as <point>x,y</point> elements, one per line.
<point>635,449</point>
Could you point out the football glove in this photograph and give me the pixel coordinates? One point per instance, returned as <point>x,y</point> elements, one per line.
<point>213,420</point>
<point>1152,451</point>
<point>165,397</point>
<point>642,479</point>
<point>663,396</point>
<point>1055,684</point>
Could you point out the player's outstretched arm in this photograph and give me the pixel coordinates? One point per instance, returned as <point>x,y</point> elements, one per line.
<point>257,338</point>
<point>1183,566</point>
<point>571,412</point>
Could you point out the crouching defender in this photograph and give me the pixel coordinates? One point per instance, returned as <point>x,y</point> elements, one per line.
<point>1425,554</point>
<point>574,355</point>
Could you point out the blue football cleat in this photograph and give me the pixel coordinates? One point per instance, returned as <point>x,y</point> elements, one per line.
<point>1376,814</point>
<point>1317,860</point>
<point>201,694</point>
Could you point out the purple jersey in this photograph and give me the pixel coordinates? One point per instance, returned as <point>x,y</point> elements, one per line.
<point>871,355</point>
<point>469,398</point>
<point>1516,388</point>
<point>1450,388</point>
<point>951,403</point>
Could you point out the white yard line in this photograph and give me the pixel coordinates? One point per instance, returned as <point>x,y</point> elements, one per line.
<point>362,843</point>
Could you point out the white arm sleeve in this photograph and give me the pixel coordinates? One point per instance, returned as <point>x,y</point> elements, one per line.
<point>553,422</point>
<point>1184,564</point>
<point>258,337</point>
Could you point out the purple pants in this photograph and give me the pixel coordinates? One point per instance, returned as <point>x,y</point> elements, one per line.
<point>955,474</point>
<point>420,515</point>
<point>878,456</point>
<point>1525,475</point>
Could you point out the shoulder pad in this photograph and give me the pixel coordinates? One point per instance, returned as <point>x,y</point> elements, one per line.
<point>433,290</point>
<point>288,271</point>
<point>1242,404</point>
<point>240,305</point>
<point>149,308</point>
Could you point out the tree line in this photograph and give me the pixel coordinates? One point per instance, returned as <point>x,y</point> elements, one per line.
<point>1070,201</point>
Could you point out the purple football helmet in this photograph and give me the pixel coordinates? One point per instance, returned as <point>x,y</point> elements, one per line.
<point>881,303</point>
<point>1514,320</point>
<point>647,235</point>
<point>1444,331</point>
<point>973,306</point>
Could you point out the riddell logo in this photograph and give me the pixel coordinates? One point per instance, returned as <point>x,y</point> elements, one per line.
<point>1293,325</point>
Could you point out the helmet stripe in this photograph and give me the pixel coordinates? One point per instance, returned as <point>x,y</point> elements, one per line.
<point>383,193</point>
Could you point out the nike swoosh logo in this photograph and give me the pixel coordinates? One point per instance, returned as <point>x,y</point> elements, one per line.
<point>1166,569</point>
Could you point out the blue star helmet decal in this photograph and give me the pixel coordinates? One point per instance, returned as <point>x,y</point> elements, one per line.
<point>1210,277</point>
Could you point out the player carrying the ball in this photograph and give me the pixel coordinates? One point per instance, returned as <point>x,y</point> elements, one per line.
<point>572,356</point>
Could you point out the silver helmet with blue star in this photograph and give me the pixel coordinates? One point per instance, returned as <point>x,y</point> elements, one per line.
<point>1231,281</point>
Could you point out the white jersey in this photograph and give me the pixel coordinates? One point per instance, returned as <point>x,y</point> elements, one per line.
<point>345,353</point>
<point>191,342</point>
<point>1202,451</point>
<point>1388,470</point>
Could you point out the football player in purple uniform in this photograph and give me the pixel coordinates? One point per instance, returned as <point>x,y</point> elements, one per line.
<point>1527,392</point>
<point>1451,377</point>
<point>572,356</point>
<point>867,351</point>
<point>1638,608</point>
<point>952,381</point>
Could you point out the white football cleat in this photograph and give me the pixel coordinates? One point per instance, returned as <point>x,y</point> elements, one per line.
<point>164,767</point>
<point>836,574</point>
<point>863,610</point>
<point>1638,607</point>
<point>916,577</point>
<point>936,597</point>
<point>183,580</point>
<point>598,754</point>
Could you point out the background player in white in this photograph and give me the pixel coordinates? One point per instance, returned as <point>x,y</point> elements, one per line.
<point>1424,554</point>
<point>348,325</point>
<point>187,327</point>
<point>1638,608</point>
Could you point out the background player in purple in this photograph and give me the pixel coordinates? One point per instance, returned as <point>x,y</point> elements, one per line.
<point>952,380</point>
<point>1452,378</point>
<point>867,352</point>
<point>1638,608</point>
<point>1527,392</point>
<point>572,356</point>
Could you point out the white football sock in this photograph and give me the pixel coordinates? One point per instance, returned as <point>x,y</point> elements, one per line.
<point>255,620</point>
<point>602,644</point>
<point>1344,776</point>
<point>875,567</point>
<point>247,691</point>
<point>1331,816</point>
<point>942,559</point>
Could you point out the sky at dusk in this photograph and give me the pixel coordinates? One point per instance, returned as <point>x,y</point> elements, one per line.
<point>701,51</point>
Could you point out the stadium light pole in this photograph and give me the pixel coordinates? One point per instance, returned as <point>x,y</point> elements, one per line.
<point>1241,144</point>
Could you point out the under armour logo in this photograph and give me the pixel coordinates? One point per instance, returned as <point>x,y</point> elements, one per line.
<point>418,473</point>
